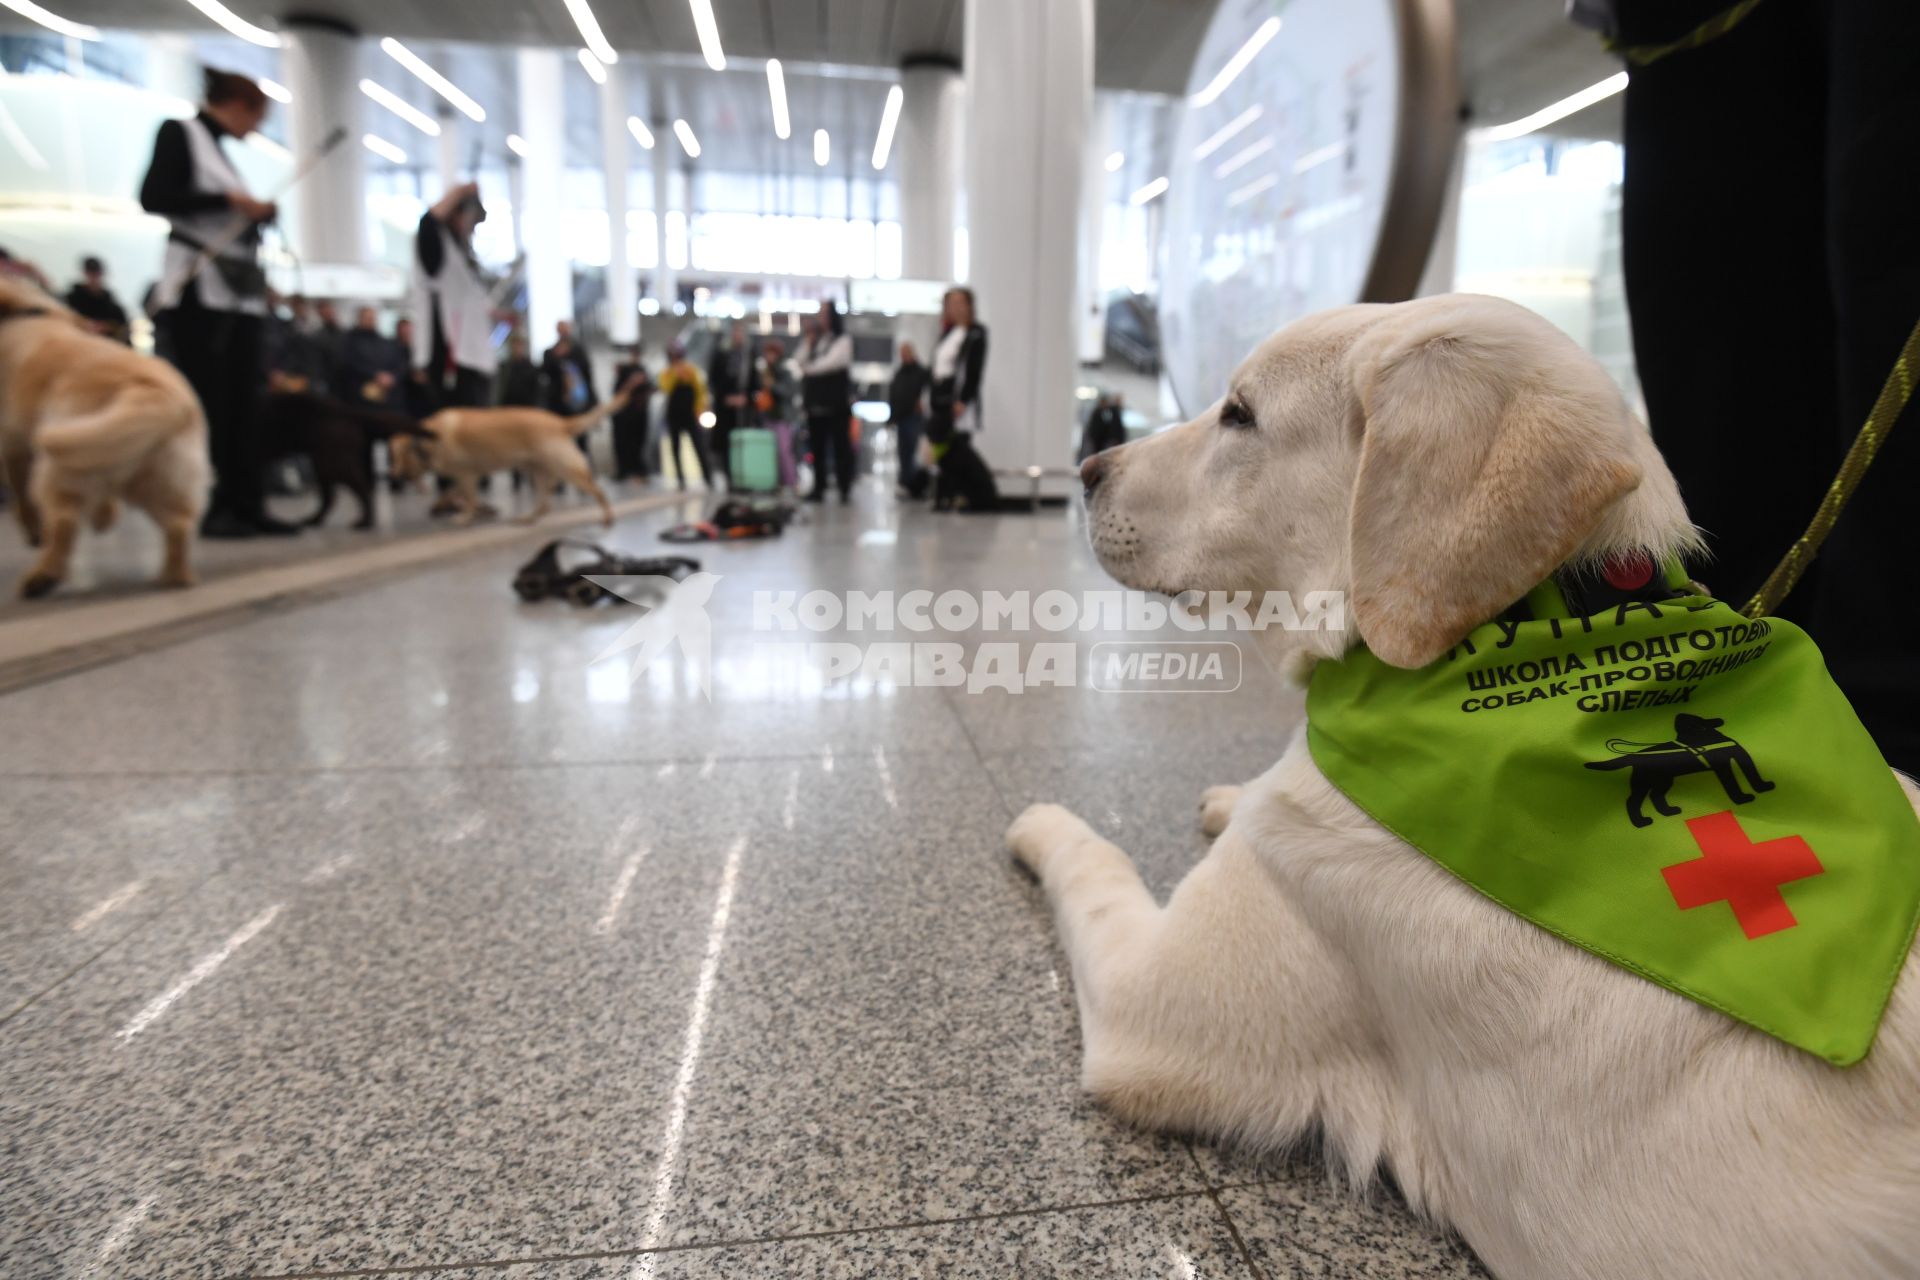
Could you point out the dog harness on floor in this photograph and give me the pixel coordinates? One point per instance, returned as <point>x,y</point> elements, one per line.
<point>1653,777</point>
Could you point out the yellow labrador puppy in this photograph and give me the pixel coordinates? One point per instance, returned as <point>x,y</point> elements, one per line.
<point>86,422</point>
<point>466,444</point>
<point>1436,459</point>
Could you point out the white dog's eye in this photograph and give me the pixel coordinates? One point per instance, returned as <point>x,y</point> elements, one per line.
<point>1234,413</point>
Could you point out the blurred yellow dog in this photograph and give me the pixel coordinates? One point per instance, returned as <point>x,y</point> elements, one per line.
<point>86,422</point>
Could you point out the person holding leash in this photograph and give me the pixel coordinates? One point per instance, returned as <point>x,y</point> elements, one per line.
<point>959,364</point>
<point>454,341</point>
<point>211,298</point>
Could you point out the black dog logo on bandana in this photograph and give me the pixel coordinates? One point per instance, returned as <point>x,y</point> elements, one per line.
<point>1698,746</point>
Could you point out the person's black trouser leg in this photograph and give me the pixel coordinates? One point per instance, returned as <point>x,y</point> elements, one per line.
<point>1769,241</point>
<point>1722,220</point>
<point>629,443</point>
<point>821,440</point>
<point>724,421</point>
<point>831,440</point>
<point>846,459</point>
<point>908,446</point>
<point>219,353</point>
<point>1866,616</point>
<point>692,432</point>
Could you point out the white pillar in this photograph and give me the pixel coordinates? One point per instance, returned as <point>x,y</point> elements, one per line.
<point>1094,180</point>
<point>543,125</point>
<point>449,140</point>
<point>666,279</point>
<point>172,66</point>
<point>1027,116</point>
<point>322,63</point>
<point>623,302</point>
<point>930,145</point>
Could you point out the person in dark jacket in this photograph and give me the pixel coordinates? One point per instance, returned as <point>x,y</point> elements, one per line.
<point>826,364</point>
<point>295,361</point>
<point>729,378</point>
<point>416,399</point>
<point>370,366</point>
<point>630,424</point>
<point>212,294</point>
<point>331,338</point>
<point>959,365</point>
<point>93,302</point>
<point>907,412</point>
<point>1757,379</point>
<point>569,375</point>
<point>521,382</point>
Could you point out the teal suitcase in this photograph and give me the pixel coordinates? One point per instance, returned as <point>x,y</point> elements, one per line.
<point>755,463</point>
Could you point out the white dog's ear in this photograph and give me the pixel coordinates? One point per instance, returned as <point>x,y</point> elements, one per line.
<point>1492,447</point>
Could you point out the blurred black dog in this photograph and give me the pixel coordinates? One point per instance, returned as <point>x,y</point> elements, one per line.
<point>337,438</point>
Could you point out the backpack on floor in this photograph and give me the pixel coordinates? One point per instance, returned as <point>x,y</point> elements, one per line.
<point>545,578</point>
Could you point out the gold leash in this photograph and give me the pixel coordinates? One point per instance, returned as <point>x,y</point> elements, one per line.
<point>1713,28</point>
<point>1894,394</point>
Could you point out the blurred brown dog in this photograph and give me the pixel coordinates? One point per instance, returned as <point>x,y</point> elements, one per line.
<point>86,422</point>
<point>466,444</point>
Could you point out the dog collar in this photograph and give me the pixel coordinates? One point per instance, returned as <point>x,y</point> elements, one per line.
<point>1637,768</point>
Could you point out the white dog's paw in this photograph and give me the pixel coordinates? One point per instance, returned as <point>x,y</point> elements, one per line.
<point>1039,832</point>
<point>1216,806</point>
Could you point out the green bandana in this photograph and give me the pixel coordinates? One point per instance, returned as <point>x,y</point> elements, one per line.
<point>1665,783</point>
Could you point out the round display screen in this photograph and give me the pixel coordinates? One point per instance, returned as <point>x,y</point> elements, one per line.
<point>1280,177</point>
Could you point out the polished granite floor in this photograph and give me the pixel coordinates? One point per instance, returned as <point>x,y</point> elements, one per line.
<point>394,935</point>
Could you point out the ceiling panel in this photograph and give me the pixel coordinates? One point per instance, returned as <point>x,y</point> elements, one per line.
<point>926,26</point>
<point>1516,55</point>
<point>855,32</point>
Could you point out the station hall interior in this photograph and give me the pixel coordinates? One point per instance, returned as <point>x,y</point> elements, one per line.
<point>517,786</point>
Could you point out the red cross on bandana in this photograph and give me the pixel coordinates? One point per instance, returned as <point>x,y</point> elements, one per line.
<point>1744,875</point>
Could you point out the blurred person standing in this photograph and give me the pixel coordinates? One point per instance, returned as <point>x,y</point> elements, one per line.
<point>212,295</point>
<point>568,373</point>
<point>826,363</point>
<point>453,344</point>
<point>729,371</point>
<point>1772,277</point>
<point>295,361</point>
<point>630,424</point>
<point>907,412</point>
<point>685,392</point>
<point>329,336</point>
<point>92,301</point>
<point>370,366</point>
<point>959,364</point>
<point>521,382</point>
<point>773,403</point>
<point>416,398</point>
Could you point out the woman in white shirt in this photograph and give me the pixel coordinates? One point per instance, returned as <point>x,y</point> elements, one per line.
<point>959,364</point>
<point>826,362</point>
<point>453,341</point>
